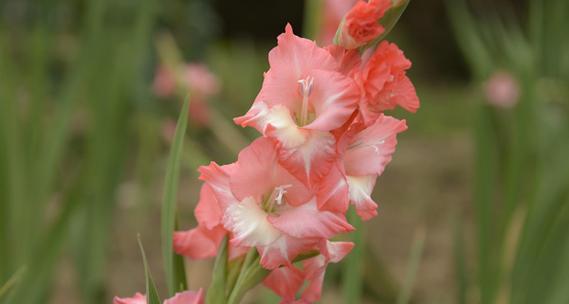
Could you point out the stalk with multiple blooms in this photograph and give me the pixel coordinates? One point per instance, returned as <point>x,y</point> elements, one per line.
<point>273,214</point>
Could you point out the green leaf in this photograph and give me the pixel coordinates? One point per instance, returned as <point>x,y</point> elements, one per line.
<point>180,281</point>
<point>169,201</point>
<point>216,292</point>
<point>151,293</point>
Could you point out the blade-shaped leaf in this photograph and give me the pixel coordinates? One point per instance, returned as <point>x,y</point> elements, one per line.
<point>180,281</point>
<point>152,296</point>
<point>169,201</point>
<point>216,292</point>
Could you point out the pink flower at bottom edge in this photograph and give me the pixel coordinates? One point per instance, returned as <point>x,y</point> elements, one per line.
<point>287,281</point>
<point>138,298</point>
<point>186,297</point>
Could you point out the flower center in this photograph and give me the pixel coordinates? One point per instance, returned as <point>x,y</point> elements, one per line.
<point>305,87</point>
<point>276,198</point>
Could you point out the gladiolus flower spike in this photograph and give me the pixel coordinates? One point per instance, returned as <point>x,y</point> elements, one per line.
<point>325,140</point>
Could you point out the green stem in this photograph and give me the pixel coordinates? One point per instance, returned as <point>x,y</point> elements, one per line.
<point>352,276</point>
<point>249,266</point>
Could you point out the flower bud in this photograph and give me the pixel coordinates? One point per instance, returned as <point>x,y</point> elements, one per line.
<point>369,22</point>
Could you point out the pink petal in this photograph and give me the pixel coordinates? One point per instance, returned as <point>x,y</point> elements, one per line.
<point>360,195</point>
<point>276,122</point>
<point>315,269</point>
<point>284,250</point>
<point>258,165</point>
<point>400,92</point>
<point>236,251</point>
<point>285,281</point>
<point>293,59</point>
<point>198,243</point>
<point>334,98</point>
<point>218,178</point>
<point>347,59</point>
<point>312,160</point>
<point>208,213</point>
<point>333,191</point>
<point>370,150</point>
<point>306,221</point>
<point>334,252</point>
<point>187,297</point>
<point>138,298</point>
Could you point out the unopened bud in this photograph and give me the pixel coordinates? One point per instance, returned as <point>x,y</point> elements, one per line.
<point>369,22</point>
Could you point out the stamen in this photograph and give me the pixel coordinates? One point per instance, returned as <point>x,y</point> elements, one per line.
<point>305,90</point>
<point>281,191</point>
<point>276,197</point>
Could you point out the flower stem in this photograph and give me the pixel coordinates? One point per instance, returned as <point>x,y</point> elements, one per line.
<point>248,277</point>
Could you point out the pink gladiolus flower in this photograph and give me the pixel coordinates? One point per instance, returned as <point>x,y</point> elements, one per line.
<point>186,297</point>
<point>384,84</point>
<point>287,281</point>
<point>502,90</point>
<point>365,152</point>
<point>366,155</point>
<point>361,24</point>
<point>325,141</point>
<point>278,215</point>
<point>303,97</point>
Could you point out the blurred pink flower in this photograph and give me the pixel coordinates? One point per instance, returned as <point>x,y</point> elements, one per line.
<point>195,78</point>
<point>502,90</point>
<point>168,130</point>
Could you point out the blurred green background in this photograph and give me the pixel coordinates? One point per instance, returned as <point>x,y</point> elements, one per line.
<point>474,207</point>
